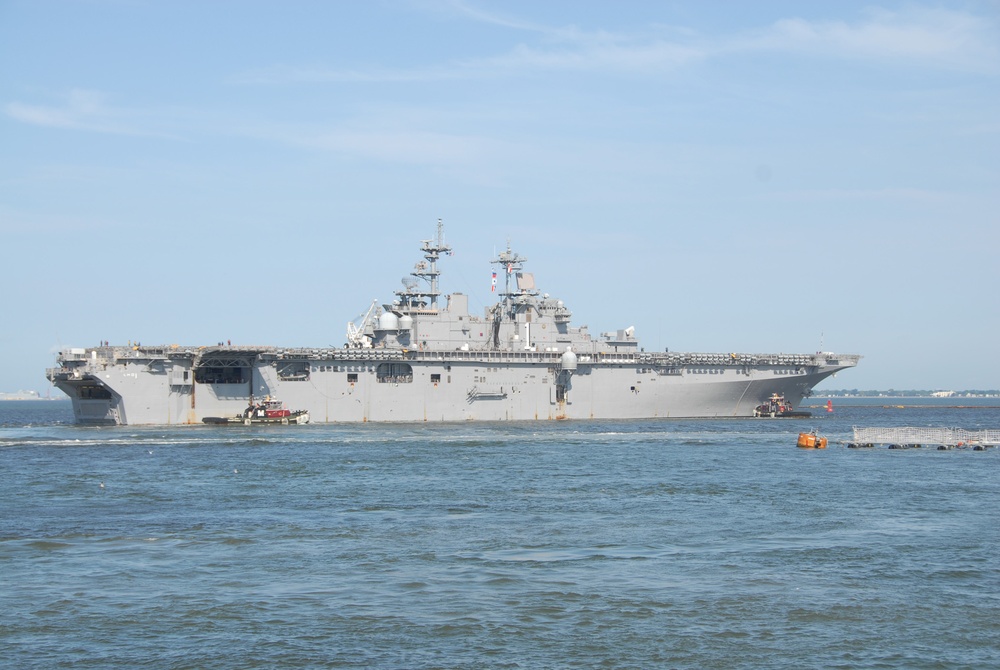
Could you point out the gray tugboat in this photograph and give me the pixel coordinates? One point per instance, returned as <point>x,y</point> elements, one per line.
<point>424,357</point>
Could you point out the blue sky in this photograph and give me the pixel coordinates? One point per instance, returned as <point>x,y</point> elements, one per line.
<point>762,177</point>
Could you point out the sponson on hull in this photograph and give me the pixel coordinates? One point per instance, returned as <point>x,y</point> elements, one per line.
<point>424,357</point>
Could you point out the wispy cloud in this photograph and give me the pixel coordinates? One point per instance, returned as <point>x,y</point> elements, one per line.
<point>482,16</point>
<point>21,222</point>
<point>413,146</point>
<point>604,55</point>
<point>889,194</point>
<point>925,37</point>
<point>936,38</point>
<point>83,109</point>
<point>281,74</point>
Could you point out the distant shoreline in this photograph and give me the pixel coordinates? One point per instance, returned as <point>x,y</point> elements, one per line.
<point>63,399</point>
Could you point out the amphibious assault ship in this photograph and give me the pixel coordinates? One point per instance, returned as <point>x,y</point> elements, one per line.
<point>424,357</point>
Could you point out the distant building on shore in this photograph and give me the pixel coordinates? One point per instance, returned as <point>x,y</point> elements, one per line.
<point>24,395</point>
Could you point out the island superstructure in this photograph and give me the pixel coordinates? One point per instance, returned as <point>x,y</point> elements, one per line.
<point>424,357</point>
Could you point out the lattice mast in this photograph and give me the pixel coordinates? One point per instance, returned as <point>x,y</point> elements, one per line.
<point>427,271</point>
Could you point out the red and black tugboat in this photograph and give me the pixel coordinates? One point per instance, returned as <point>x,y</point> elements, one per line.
<point>776,407</point>
<point>267,411</point>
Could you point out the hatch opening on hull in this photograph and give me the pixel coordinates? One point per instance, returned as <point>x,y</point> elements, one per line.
<point>93,392</point>
<point>394,373</point>
<point>294,371</point>
<point>220,375</point>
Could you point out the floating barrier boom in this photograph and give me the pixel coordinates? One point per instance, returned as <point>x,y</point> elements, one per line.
<point>909,435</point>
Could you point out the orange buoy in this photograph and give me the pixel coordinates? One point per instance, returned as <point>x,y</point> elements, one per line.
<point>811,441</point>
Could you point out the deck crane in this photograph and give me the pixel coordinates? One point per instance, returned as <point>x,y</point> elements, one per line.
<point>356,329</point>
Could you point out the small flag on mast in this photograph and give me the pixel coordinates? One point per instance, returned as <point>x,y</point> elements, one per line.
<point>494,287</point>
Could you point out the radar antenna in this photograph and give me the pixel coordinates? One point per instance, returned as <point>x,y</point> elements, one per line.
<point>511,263</point>
<point>426,270</point>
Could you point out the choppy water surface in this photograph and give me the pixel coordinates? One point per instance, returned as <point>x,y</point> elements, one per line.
<point>634,544</point>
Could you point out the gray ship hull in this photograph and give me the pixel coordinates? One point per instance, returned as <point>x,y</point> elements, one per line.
<point>115,385</point>
<point>425,357</point>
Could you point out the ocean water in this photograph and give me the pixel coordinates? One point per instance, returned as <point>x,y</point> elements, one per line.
<point>644,544</point>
